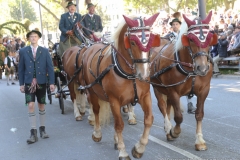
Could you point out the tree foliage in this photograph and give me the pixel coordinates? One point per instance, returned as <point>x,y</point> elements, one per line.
<point>153,6</point>
<point>28,10</point>
<point>14,27</point>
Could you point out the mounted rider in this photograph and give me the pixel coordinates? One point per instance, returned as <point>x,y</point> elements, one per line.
<point>69,36</point>
<point>175,24</point>
<point>92,22</point>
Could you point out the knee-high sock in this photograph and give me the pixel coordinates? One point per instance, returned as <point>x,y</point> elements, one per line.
<point>32,120</point>
<point>12,77</point>
<point>42,117</point>
<point>8,79</point>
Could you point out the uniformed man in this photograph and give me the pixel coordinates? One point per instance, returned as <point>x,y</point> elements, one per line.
<point>92,21</point>
<point>69,36</point>
<point>34,64</point>
<point>175,24</point>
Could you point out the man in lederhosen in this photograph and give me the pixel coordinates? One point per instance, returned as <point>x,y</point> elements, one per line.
<point>69,37</point>
<point>92,21</point>
<point>34,64</point>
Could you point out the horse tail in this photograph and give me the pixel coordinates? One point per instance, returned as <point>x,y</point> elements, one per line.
<point>105,112</point>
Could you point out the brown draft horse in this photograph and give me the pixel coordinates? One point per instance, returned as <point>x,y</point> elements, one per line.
<point>112,76</point>
<point>184,68</point>
<point>71,60</point>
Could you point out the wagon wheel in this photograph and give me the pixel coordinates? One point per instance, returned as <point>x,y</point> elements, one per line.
<point>59,87</point>
<point>49,94</point>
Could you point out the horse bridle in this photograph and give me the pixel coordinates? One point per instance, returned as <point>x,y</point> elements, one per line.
<point>201,38</point>
<point>143,40</point>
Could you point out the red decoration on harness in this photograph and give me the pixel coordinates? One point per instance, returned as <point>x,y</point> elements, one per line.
<point>199,33</point>
<point>140,45</point>
<point>185,40</point>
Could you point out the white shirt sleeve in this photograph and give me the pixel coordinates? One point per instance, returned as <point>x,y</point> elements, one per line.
<point>5,60</point>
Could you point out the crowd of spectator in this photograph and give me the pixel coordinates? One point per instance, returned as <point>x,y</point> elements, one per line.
<point>225,22</point>
<point>10,47</point>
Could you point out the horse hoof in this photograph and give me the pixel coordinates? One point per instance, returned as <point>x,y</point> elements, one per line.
<point>125,158</point>
<point>200,147</point>
<point>136,154</point>
<point>79,118</point>
<point>174,135</point>
<point>82,113</point>
<point>116,146</point>
<point>169,137</point>
<point>132,122</point>
<point>91,122</point>
<point>125,110</point>
<point>95,139</point>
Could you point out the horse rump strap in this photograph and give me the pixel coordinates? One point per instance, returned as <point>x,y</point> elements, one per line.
<point>144,60</point>
<point>98,79</point>
<point>185,40</point>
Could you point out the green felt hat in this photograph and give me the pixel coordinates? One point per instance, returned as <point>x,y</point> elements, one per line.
<point>34,31</point>
<point>175,20</point>
<point>70,4</point>
<point>90,5</point>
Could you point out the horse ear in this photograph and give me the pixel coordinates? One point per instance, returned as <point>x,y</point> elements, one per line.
<point>185,40</point>
<point>131,23</point>
<point>156,41</point>
<point>126,42</point>
<point>214,40</point>
<point>151,20</point>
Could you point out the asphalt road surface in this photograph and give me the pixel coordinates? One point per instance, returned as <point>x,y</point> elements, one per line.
<point>72,140</point>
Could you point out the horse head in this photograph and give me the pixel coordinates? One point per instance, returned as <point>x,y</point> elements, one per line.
<point>198,39</point>
<point>138,41</point>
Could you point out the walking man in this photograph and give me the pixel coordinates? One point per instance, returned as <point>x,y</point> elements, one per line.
<point>34,64</point>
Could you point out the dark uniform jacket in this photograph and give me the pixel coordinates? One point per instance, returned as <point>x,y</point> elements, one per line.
<point>222,47</point>
<point>66,23</point>
<point>43,65</point>
<point>94,24</point>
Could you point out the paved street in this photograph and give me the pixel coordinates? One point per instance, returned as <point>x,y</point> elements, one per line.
<point>72,140</point>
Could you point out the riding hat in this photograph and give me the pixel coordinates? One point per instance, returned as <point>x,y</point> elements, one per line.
<point>175,20</point>
<point>70,4</point>
<point>90,5</point>
<point>34,31</point>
